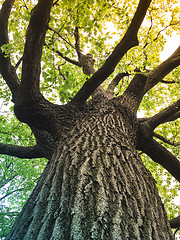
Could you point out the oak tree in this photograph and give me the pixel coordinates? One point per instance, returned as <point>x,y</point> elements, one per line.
<point>95,185</point>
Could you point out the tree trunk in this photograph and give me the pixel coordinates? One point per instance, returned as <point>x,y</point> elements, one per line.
<point>95,187</point>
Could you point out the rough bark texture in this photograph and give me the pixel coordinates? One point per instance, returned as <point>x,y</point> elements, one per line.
<point>95,186</point>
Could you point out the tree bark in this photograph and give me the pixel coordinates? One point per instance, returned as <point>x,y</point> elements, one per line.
<point>95,186</point>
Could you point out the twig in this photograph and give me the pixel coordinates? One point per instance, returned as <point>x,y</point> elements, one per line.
<point>165,140</point>
<point>55,3</point>
<point>60,73</point>
<point>168,82</point>
<point>65,58</point>
<point>17,190</point>
<point>18,63</point>
<point>61,36</point>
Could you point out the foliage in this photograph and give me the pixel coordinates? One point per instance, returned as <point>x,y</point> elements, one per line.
<point>17,176</point>
<point>61,80</point>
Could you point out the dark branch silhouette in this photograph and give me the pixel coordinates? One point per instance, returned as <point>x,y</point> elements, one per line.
<point>175,222</point>
<point>7,71</point>
<point>134,92</point>
<point>61,36</point>
<point>160,154</point>
<point>163,116</point>
<point>165,140</point>
<point>157,75</point>
<point>114,83</point>
<point>77,42</point>
<point>19,151</point>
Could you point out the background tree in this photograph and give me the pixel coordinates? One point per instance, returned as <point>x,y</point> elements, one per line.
<point>94,185</point>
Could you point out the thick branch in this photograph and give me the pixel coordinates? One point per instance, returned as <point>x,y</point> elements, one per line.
<point>4,16</point>
<point>129,40</point>
<point>46,143</point>
<point>31,66</point>
<point>174,117</point>
<point>6,69</point>
<point>114,83</point>
<point>163,116</point>
<point>77,42</point>
<point>175,222</point>
<point>87,64</point>
<point>19,151</point>
<point>162,70</point>
<point>133,94</point>
<point>170,119</point>
<point>35,39</point>
<point>30,106</point>
<point>161,155</point>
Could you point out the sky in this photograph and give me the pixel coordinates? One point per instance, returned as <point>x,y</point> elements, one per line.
<point>171,45</point>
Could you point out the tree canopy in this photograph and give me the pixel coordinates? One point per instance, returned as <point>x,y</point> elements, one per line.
<point>104,32</point>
